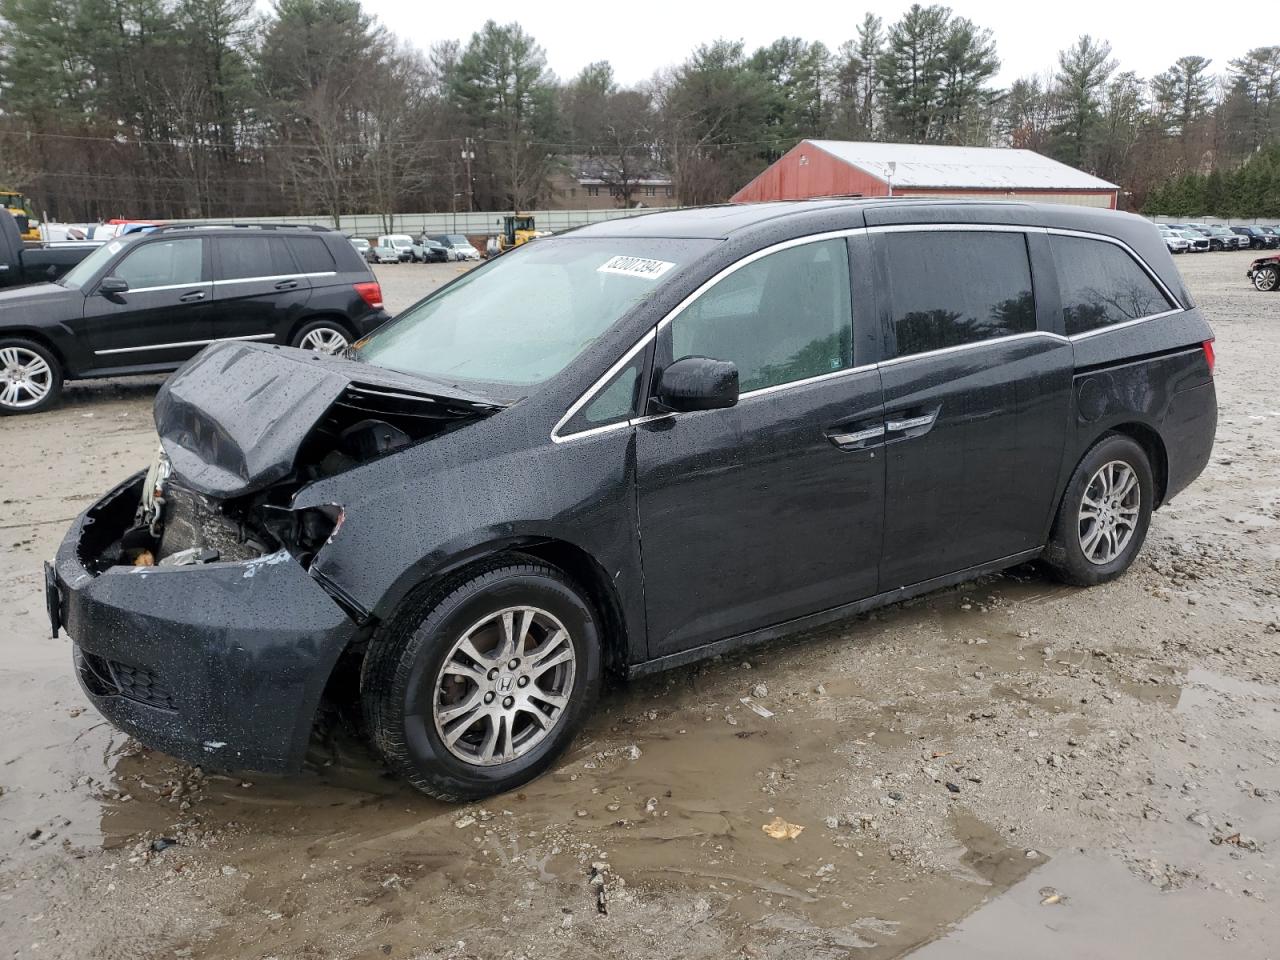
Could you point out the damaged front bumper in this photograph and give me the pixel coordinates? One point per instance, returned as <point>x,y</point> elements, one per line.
<point>220,664</point>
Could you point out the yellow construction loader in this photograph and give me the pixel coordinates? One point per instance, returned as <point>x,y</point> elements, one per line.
<point>516,230</point>
<point>20,207</point>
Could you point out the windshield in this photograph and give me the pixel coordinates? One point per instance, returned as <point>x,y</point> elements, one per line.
<point>400,241</point>
<point>521,318</point>
<point>458,240</point>
<point>86,269</point>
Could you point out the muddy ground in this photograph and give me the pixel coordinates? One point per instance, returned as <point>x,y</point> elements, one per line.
<point>1007,769</point>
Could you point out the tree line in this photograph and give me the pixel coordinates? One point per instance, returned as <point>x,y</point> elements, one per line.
<point>205,108</point>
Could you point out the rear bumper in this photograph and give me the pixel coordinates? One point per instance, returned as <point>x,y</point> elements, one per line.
<point>371,321</point>
<point>221,665</point>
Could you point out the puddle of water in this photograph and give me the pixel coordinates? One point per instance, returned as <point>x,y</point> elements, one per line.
<point>1172,891</point>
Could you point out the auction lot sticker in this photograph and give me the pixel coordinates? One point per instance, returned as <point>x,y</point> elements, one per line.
<point>635,267</point>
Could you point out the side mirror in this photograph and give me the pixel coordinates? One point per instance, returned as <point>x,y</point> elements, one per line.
<point>111,286</point>
<point>699,383</point>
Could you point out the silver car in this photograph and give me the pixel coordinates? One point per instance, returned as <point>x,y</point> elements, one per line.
<point>1173,240</point>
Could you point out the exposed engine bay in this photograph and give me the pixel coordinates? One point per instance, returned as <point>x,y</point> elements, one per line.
<point>190,510</point>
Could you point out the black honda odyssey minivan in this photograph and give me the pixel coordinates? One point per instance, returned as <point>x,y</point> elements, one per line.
<point>624,448</point>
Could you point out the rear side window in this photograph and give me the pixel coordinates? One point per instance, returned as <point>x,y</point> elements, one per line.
<point>311,254</point>
<point>784,317</point>
<point>949,288</point>
<point>246,257</point>
<point>1101,284</point>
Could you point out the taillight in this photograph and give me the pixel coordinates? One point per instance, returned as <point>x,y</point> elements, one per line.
<point>371,293</point>
<point>1208,355</point>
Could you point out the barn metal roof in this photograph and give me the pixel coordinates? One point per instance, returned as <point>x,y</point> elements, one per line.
<point>977,167</point>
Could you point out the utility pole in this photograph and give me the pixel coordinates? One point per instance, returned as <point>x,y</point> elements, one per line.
<point>469,154</point>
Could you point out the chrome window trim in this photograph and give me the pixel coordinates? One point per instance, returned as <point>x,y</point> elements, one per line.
<point>1008,338</point>
<point>283,276</point>
<point>183,343</point>
<point>591,391</point>
<point>955,228</point>
<point>847,371</point>
<point>850,232</point>
<point>1085,334</point>
<point>193,286</point>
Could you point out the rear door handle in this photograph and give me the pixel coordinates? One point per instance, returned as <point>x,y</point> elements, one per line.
<point>192,297</point>
<point>286,284</point>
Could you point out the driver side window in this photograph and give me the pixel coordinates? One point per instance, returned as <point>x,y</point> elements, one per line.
<point>163,263</point>
<point>782,318</point>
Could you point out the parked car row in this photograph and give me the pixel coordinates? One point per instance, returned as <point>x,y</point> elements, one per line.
<point>1200,237</point>
<point>402,248</point>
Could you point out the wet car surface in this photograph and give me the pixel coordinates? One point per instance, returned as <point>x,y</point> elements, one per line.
<point>687,378</point>
<point>1155,694</point>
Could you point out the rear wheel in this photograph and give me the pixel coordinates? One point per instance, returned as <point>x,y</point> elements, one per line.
<point>1267,279</point>
<point>30,376</point>
<point>479,687</point>
<point>1105,511</point>
<point>323,336</point>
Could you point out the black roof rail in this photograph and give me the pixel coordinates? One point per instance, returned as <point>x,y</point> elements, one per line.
<point>312,227</point>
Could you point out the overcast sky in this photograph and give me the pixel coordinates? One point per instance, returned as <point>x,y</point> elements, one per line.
<point>640,37</point>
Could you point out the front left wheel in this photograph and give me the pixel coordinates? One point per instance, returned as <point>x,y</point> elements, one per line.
<point>478,687</point>
<point>30,376</point>
<point>1267,278</point>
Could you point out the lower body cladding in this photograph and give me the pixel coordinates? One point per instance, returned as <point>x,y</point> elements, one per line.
<point>220,664</point>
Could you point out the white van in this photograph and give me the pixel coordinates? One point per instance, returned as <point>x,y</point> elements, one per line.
<point>401,242</point>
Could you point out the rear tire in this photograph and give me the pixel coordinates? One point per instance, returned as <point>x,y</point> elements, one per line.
<point>1105,511</point>
<point>323,336</point>
<point>451,709</point>
<point>1267,279</point>
<point>30,376</point>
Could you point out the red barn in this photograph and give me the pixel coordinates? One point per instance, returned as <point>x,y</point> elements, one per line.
<point>837,168</point>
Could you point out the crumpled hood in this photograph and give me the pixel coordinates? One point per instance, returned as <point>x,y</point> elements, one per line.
<point>233,419</point>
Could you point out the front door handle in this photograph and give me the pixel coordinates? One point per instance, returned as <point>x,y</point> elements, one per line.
<point>191,297</point>
<point>911,423</point>
<point>854,438</point>
<point>286,284</point>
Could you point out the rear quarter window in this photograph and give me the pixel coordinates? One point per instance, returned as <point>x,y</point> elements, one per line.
<point>1102,285</point>
<point>311,254</point>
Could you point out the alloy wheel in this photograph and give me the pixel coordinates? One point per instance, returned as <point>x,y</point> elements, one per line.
<point>324,339</point>
<point>25,378</point>
<point>1266,279</point>
<point>1109,512</point>
<point>504,686</point>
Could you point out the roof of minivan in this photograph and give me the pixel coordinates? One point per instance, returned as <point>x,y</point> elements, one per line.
<point>723,221</point>
<point>760,224</point>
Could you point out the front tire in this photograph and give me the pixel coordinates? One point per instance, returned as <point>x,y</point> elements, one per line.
<point>1267,279</point>
<point>1103,518</point>
<point>479,686</point>
<point>30,376</point>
